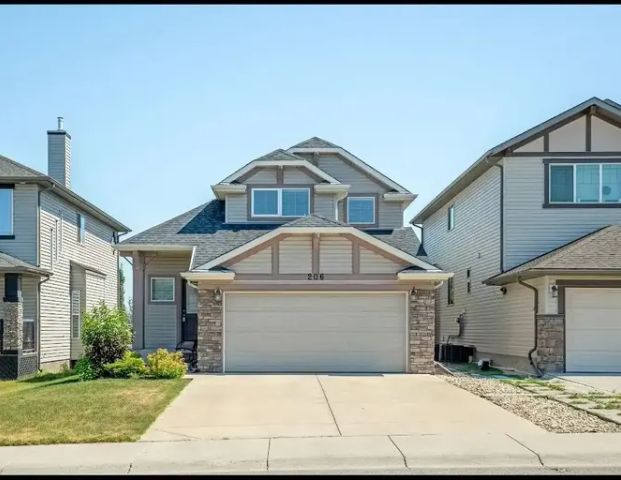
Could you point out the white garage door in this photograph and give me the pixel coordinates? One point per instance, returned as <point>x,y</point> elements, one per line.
<point>315,332</point>
<point>593,329</point>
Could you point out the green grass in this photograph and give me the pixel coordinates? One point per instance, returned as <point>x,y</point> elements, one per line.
<point>59,408</point>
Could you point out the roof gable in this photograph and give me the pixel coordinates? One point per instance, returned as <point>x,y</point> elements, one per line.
<point>607,109</point>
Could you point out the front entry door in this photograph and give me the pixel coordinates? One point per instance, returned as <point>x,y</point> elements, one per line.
<point>189,317</point>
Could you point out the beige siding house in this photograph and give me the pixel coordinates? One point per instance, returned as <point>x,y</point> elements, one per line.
<point>300,263</point>
<point>541,192</point>
<point>56,258</point>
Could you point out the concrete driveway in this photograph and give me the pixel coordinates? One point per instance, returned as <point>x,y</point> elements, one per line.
<point>265,406</point>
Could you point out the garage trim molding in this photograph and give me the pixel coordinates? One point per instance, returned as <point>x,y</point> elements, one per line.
<point>280,292</point>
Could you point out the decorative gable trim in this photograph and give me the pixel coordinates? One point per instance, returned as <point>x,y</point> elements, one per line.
<point>280,163</point>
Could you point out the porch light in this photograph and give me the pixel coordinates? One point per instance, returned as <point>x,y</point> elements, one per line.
<point>217,294</point>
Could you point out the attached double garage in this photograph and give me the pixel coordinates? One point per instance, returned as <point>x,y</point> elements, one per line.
<point>307,331</point>
<point>592,329</point>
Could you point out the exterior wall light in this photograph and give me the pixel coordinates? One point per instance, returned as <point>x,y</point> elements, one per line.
<point>217,294</point>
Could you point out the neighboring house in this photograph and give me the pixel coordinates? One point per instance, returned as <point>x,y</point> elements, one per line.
<point>301,263</point>
<point>526,231</point>
<point>56,260</point>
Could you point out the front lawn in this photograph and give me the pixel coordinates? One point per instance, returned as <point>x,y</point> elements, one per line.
<point>59,408</point>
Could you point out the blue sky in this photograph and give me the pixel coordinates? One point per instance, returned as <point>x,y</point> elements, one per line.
<point>163,101</point>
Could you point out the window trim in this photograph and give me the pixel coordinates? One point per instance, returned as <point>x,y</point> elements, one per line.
<point>11,234</point>
<point>549,163</point>
<point>450,218</point>
<point>81,220</point>
<point>362,197</point>
<point>162,277</point>
<point>450,291</point>
<point>279,191</point>
<point>34,336</point>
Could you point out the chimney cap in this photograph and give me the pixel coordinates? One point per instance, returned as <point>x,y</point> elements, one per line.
<point>60,123</point>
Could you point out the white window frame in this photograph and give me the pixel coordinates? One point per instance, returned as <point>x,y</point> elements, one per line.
<point>373,210</point>
<point>12,213</point>
<point>81,236</point>
<point>76,322</point>
<point>60,234</point>
<point>151,290</point>
<point>574,171</point>
<point>450,218</point>
<point>278,202</point>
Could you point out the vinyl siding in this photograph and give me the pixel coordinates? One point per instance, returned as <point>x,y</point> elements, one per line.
<point>260,262</point>
<point>325,205</point>
<point>297,176</point>
<point>335,255</point>
<point>604,136</point>
<point>570,137</point>
<point>236,208</point>
<point>493,323</point>
<point>96,252</point>
<point>372,262</point>
<point>295,255</point>
<point>390,214</point>
<point>531,230</point>
<point>345,173</point>
<point>262,176</point>
<point>162,321</point>
<point>24,245</point>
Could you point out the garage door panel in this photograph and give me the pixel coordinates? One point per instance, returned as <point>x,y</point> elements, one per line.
<point>593,330</point>
<point>315,332</point>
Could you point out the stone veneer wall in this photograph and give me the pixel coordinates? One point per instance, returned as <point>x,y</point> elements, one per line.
<point>422,326</point>
<point>209,344</point>
<point>551,342</point>
<point>13,326</point>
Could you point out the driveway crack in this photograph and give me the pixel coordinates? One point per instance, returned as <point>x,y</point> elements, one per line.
<point>527,448</point>
<point>329,406</point>
<point>405,461</point>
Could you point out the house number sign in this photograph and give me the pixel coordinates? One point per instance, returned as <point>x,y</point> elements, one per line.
<point>315,276</point>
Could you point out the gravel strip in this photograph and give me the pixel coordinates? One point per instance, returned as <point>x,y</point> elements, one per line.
<point>548,414</point>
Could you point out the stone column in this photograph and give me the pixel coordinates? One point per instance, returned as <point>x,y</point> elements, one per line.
<point>209,345</point>
<point>551,343</point>
<point>13,313</point>
<point>422,319</point>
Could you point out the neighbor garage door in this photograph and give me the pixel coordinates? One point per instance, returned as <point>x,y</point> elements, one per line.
<point>593,329</point>
<point>316,332</point>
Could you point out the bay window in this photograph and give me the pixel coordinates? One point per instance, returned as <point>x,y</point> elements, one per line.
<point>280,202</point>
<point>584,183</point>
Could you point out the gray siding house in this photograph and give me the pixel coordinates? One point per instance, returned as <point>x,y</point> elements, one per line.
<point>529,231</point>
<point>56,260</point>
<point>300,263</point>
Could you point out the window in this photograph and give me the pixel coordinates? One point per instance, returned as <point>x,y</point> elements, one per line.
<point>361,210</point>
<point>162,289</point>
<point>75,313</point>
<point>60,234</point>
<point>450,294</point>
<point>81,228</point>
<point>280,202</point>
<point>6,210</point>
<point>451,217</point>
<point>28,341</point>
<point>585,183</point>
<point>468,284</point>
<point>56,241</point>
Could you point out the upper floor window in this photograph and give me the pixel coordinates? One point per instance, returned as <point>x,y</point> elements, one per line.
<point>361,210</point>
<point>451,217</point>
<point>585,183</point>
<point>6,210</point>
<point>81,228</point>
<point>280,202</point>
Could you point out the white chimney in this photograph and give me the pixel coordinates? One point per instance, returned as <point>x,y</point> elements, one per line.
<point>59,154</point>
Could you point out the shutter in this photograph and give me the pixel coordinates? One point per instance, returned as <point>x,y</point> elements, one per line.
<point>75,313</point>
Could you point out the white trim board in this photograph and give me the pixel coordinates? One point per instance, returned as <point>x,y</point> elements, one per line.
<point>279,163</point>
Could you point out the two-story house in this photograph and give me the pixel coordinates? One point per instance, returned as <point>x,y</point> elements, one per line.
<point>532,232</point>
<point>56,260</point>
<point>300,263</point>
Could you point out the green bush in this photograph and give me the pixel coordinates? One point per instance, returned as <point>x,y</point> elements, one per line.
<point>130,366</point>
<point>84,369</point>
<point>165,364</point>
<point>106,336</point>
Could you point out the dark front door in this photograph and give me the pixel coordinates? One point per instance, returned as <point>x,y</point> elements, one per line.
<point>189,317</point>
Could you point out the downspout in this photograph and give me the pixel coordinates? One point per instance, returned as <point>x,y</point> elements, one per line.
<point>536,312</point>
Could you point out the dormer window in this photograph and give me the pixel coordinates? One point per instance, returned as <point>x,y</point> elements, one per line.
<point>280,202</point>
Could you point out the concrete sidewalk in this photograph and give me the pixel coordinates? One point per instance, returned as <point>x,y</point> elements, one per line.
<point>407,453</point>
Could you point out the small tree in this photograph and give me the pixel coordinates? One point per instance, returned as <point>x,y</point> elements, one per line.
<point>121,289</point>
<point>106,336</point>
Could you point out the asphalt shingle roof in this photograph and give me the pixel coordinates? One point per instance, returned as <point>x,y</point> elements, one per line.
<point>315,142</point>
<point>9,263</point>
<point>203,227</point>
<point>599,250</point>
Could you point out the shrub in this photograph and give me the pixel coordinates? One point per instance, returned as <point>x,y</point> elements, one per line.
<point>130,366</point>
<point>165,364</point>
<point>106,335</point>
<point>84,369</point>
